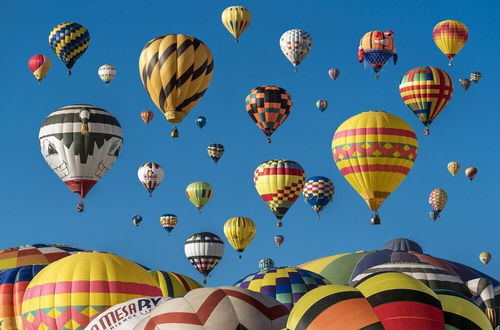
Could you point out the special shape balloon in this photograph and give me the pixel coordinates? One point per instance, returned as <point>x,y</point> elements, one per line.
<point>236,19</point>
<point>39,65</point>
<point>437,199</point>
<point>199,193</point>
<point>426,90</point>
<point>176,70</point>
<point>215,151</point>
<point>168,222</point>
<point>151,175</point>
<point>376,48</point>
<point>80,143</point>
<point>268,106</point>
<point>204,251</point>
<point>69,41</point>
<point>239,232</point>
<point>450,36</point>
<point>295,45</point>
<point>147,116</point>
<point>107,73</point>
<point>279,183</point>
<point>318,192</point>
<point>374,151</point>
<point>453,168</point>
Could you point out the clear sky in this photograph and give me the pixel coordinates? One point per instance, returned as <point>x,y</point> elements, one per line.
<point>38,208</point>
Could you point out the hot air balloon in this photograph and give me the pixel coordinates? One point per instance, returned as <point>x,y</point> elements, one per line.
<point>266,263</point>
<point>69,41</point>
<point>204,251</point>
<point>295,45</point>
<point>321,105</point>
<point>82,285</point>
<point>437,199</point>
<point>465,83</point>
<point>80,143</point>
<point>199,193</point>
<point>475,77</point>
<point>450,36</point>
<point>374,151</point>
<point>168,222</point>
<point>334,73</point>
<point>426,90</point>
<point>279,239</point>
<point>236,20</point>
<point>279,183</point>
<point>176,70</point>
<point>151,175</point>
<point>147,116</point>
<point>485,257</point>
<point>39,65</point>
<point>453,168</point>
<point>201,121</point>
<point>174,284</point>
<point>376,48</point>
<point>471,172</point>
<point>239,232</point>
<point>107,73</point>
<point>136,220</point>
<point>318,192</point>
<point>215,151</point>
<point>268,106</point>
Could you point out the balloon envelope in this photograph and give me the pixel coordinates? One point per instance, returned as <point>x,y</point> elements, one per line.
<point>69,41</point>
<point>236,20</point>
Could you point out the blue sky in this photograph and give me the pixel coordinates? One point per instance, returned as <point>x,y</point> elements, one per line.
<point>38,207</point>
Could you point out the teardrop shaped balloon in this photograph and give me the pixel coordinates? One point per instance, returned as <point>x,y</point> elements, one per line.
<point>107,73</point>
<point>437,199</point>
<point>201,121</point>
<point>450,36</point>
<point>295,45</point>
<point>268,106</point>
<point>465,83</point>
<point>236,20</point>
<point>168,222</point>
<point>199,193</point>
<point>485,257</point>
<point>39,65</point>
<point>322,105</point>
<point>475,76</point>
<point>239,232</point>
<point>453,168</point>
<point>215,151</point>
<point>374,151</point>
<point>176,70</point>
<point>318,192</point>
<point>376,48</point>
<point>69,41</point>
<point>136,220</point>
<point>471,172</point>
<point>147,116</point>
<point>279,183</point>
<point>80,143</point>
<point>279,239</point>
<point>334,73</point>
<point>151,175</point>
<point>204,251</point>
<point>426,90</point>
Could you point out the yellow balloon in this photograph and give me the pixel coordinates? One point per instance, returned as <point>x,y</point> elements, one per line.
<point>450,36</point>
<point>453,168</point>
<point>239,232</point>
<point>236,19</point>
<point>199,193</point>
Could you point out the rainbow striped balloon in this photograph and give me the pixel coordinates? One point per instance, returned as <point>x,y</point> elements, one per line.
<point>374,151</point>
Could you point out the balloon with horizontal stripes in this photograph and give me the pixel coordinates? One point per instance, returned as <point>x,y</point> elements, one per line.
<point>39,65</point>
<point>68,293</point>
<point>204,251</point>
<point>107,73</point>
<point>450,36</point>
<point>215,151</point>
<point>239,232</point>
<point>174,284</point>
<point>80,143</point>
<point>169,222</point>
<point>461,313</point>
<point>426,91</point>
<point>236,20</point>
<point>374,151</point>
<point>69,41</point>
<point>318,192</point>
<point>199,193</point>
<point>176,70</point>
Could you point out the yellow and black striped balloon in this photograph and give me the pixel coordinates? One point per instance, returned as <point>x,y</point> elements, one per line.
<point>176,70</point>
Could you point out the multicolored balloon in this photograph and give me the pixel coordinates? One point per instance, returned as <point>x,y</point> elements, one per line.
<point>318,192</point>
<point>199,193</point>
<point>236,20</point>
<point>69,41</point>
<point>168,222</point>
<point>204,251</point>
<point>453,168</point>
<point>174,284</point>
<point>147,116</point>
<point>136,220</point>
<point>450,36</point>
<point>150,175</point>
<point>485,257</point>
<point>201,121</point>
<point>215,151</point>
<point>39,65</point>
<point>471,172</point>
<point>437,198</point>
<point>279,183</point>
<point>176,70</point>
<point>239,232</point>
<point>376,48</point>
<point>279,239</point>
<point>268,106</point>
<point>322,105</point>
<point>80,143</point>
<point>418,90</point>
<point>475,77</point>
<point>266,263</point>
<point>374,151</point>
<point>295,45</point>
<point>465,83</point>
<point>107,73</point>
<point>334,73</point>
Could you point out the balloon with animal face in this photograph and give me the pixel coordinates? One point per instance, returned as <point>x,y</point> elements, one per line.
<point>376,48</point>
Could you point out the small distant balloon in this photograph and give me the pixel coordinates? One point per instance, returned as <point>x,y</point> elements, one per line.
<point>295,45</point>
<point>471,172</point>
<point>236,20</point>
<point>201,121</point>
<point>485,257</point>
<point>465,83</point>
<point>437,199</point>
<point>147,116</point>
<point>321,105</point>
<point>39,65</point>
<point>453,168</point>
<point>279,239</point>
<point>215,151</point>
<point>168,222</point>
<point>151,175</point>
<point>107,73</point>
<point>450,36</point>
<point>475,76</point>
<point>266,263</point>
<point>334,73</point>
<point>199,193</point>
<point>136,220</point>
